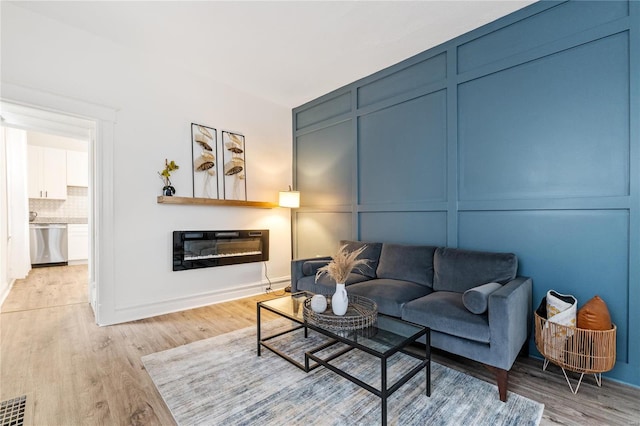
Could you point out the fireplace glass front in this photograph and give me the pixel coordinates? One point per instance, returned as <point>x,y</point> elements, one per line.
<point>205,249</point>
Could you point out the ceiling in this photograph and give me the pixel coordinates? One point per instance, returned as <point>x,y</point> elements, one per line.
<point>288,52</point>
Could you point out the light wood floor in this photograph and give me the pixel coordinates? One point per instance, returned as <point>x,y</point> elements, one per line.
<point>76,373</point>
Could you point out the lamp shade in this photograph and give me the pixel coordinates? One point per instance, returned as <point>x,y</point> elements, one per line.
<point>289,199</point>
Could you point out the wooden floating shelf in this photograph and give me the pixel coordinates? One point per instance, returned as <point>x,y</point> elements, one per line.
<point>162,199</point>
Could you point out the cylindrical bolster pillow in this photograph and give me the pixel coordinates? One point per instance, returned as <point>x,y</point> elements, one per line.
<point>476,299</point>
<point>310,267</point>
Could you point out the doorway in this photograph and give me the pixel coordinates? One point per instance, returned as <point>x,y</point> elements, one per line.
<point>46,129</point>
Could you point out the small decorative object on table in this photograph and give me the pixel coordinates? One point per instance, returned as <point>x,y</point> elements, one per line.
<point>318,303</point>
<point>339,300</point>
<point>341,265</point>
<point>169,166</point>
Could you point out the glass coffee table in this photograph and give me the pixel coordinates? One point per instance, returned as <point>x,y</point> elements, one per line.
<point>388,337</point>
<point>290,307</point>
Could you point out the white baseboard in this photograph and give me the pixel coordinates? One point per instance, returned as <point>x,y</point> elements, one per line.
<point>140,311</point>
<point>5,293</point>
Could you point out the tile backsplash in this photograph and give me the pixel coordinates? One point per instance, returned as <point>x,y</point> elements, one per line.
<point>76,205</point>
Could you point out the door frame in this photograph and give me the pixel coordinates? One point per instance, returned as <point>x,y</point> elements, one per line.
<point>32,109</point>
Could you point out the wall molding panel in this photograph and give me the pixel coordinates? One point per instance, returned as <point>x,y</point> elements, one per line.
<point>323,111</point>
<point>520,136</point>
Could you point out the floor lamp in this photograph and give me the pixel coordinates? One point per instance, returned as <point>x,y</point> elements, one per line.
<point>289,199</point>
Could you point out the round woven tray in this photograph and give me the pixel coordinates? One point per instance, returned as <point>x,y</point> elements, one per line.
<point>361,313</point>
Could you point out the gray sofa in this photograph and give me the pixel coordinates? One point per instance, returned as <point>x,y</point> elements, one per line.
<point>474,302</point>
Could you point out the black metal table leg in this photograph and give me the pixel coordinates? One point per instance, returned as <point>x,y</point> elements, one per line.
<point>427,355</point>
<point>258,333</point>
<point>383,390</point>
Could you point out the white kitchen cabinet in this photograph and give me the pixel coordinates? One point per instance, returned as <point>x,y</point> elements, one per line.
<point>77,168</point>
<point>78,241</point>
<point>47,172</point>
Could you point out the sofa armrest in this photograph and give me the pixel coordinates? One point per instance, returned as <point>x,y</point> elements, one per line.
<point>510,317</point>
<point>296,270</point>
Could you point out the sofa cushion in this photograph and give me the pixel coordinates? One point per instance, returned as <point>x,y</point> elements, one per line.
<point>390,295</point>
<point>476,299</point>
<point>310,267</point>
<point>459,270</point>
<point>325,285</point>
<point>444,311</point>
<point>407,263</point>
<point>371,253</point>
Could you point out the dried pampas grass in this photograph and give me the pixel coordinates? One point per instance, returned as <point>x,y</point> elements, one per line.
<point>342,263</point>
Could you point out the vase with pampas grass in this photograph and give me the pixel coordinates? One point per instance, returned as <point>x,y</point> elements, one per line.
<point>339,268</point>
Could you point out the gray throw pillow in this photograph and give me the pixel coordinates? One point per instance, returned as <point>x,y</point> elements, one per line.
<point>371,253</point>
<point>310,267</point>
<point>407,263</point>
<point>476,299</point>
<point>459,270</point>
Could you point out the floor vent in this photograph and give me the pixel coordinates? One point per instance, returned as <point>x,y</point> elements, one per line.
<point>12,411</point>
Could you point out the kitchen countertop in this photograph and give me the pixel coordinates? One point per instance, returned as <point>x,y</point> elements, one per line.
<point>43,220</point>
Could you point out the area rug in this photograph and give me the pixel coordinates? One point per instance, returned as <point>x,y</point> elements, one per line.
<point>221,381</point>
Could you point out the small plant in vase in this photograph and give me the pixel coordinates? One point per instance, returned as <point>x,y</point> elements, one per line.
<point>169,166</point>
<point>339,268</point>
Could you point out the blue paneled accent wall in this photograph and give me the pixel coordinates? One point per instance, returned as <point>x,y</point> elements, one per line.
<point>521,136</point>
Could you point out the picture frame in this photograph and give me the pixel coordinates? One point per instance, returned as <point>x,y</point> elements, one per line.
<point>204,150</point>
<point>234,172</point>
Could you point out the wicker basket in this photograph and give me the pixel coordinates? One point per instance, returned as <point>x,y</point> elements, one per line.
<point>576,349</point>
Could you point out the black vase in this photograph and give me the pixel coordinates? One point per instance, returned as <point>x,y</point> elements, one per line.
<point>168,191</point>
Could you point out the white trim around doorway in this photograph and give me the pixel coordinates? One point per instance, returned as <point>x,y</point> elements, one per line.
<point>30,108</point>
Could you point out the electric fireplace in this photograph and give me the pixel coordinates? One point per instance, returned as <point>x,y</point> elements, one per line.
<point>205,249</point>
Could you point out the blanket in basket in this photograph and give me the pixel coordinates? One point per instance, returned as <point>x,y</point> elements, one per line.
<point>561,309</point>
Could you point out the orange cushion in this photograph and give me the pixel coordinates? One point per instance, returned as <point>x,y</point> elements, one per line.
<point>594,315</point>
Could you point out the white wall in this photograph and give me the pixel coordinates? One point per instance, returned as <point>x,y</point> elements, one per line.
<point>156,104</point>
<point>19,262</point>
<point>5,282</point>
<point>14,228</point>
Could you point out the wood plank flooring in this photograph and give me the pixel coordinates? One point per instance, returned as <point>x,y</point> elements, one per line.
<point>76,373</point>
<point>48,287</point>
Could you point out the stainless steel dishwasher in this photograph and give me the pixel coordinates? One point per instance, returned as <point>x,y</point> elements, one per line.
<point>48,244</point>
